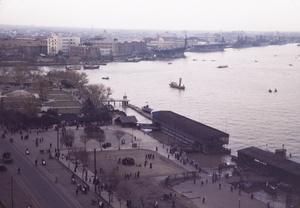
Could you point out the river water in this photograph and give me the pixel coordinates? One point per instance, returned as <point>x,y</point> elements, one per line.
<point>234,99</point>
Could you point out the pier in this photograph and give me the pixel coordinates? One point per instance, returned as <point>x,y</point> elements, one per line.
<point>140,111</point>
<point>124,101</point>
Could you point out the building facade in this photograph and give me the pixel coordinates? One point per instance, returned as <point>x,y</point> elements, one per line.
<point>82,51</point>
<point>121,48</point>
<point>58,43</point>
<point>27,47</point>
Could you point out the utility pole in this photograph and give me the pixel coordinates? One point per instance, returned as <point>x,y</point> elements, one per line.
<point>95,169</point>
<point>57,151</point>
<point>12,192</point>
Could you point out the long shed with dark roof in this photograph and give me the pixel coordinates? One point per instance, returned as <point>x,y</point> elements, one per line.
<point>207,139</point>
<point>270,163</point>
<point>127,121</point>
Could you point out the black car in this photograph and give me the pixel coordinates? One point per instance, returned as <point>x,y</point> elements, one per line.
<point>2,168</point>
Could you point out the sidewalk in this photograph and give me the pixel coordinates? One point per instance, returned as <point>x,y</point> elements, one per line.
<point>63,169</point>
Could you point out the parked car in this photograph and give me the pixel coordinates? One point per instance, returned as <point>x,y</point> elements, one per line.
<point>2,168</point>
<point>7,157</point>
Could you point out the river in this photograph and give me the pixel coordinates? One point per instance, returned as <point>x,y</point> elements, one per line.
<point>234,99</point>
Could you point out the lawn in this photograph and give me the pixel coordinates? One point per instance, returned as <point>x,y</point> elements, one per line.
<point>64,101</point>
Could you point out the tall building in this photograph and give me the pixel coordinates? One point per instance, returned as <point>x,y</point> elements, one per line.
<point>58,43</point>
<point>121,48</point>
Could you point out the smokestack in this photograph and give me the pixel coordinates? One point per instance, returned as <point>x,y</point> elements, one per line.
<point>180,81</point>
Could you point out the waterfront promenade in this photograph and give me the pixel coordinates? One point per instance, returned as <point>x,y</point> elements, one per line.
<point>214,197</point>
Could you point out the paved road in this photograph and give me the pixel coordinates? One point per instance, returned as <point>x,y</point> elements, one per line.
<point>37,182</point>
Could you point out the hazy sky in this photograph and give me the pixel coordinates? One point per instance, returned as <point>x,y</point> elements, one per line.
<point>254,15</point>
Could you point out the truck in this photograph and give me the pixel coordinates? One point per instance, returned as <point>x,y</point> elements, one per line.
<point>6,156</point>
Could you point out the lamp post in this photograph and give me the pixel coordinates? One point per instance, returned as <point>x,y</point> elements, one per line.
<point>57,150</point>
<point>95,181</point>
<point>132,135</point>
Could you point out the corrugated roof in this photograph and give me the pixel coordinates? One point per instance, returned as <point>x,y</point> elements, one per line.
<point>128,119</point>
<point>190,126</point>
<point>68,117</point>
<point>272,159</point>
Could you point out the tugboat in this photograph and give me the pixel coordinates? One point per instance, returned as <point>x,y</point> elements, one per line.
<point>147,109</point>
<point>175,85</point>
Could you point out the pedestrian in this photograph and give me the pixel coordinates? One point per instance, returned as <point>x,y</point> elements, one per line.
<point>55,179</point>
<point>220,186</point>
<point>50,145</point>
<point>36,162</point>
<point>203,200</point>
<point>77,191</point>
<point>19,170</point>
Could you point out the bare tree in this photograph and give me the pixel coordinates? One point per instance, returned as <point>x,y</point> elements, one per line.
<point>68,138</point>
<point>83,157</point>
<point>21,74</point>
<point>5,75</point>
<point>31,106</point>
<point>84,139</point>
<point>101,138</point>
<point>119,134</point>
<point>97,93</point>
<point>42,87</point>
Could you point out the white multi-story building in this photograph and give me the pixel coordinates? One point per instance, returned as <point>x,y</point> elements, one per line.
<point>58,43</point>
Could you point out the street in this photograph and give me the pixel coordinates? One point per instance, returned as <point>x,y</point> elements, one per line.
<point>37,182</point>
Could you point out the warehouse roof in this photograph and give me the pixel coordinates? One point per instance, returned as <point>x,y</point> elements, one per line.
<point>187,125</point>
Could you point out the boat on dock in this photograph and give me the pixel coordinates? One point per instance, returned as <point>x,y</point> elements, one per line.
<point>147,109</point>
<point>177,86</point>
<point>91,66</point>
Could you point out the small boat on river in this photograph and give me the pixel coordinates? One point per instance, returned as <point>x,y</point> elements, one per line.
<point>177,86</point>
<point>91,66</point>
<point>72,67</point>
<point>222,66</point>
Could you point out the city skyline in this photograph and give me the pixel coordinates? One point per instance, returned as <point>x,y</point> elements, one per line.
<point>213,15</point>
